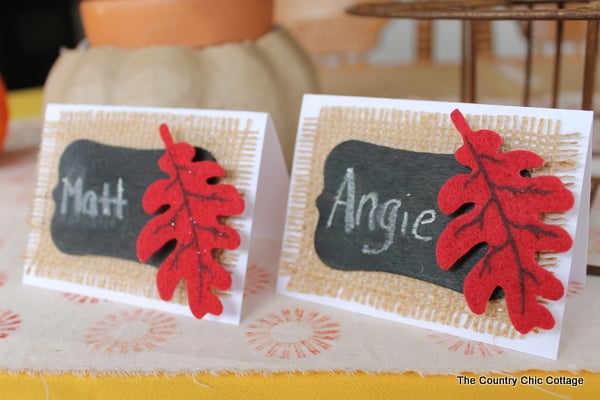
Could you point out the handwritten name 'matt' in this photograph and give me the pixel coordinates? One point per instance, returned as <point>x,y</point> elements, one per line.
<point>89,203</point>
<point>378,215</point>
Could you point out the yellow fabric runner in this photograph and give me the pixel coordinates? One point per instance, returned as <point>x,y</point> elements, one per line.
<point>25,103</point>
<point>316,385</point>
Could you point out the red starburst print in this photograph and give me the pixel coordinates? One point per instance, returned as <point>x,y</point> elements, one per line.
<point>9,322</point>
<point>574,289</point>
<point>257,280</point>
<point>79,299</point>
<point>467,347</point>
<point>3,279</point>
<point>131,332</point>
<point>293,334</point>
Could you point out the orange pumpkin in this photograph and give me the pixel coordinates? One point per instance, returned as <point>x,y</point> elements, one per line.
<point>3,114</point>
<point>135,24</point>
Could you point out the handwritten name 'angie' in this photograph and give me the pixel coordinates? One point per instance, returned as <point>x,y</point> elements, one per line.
<point>90,203</point>
<point>380,215</point>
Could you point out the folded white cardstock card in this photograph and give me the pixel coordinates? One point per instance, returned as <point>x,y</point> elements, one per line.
<point>155,207</point>
<point>462,218</point>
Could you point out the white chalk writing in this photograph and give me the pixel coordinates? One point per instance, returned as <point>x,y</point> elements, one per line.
<point>378,215</point>
<point>89,203</point>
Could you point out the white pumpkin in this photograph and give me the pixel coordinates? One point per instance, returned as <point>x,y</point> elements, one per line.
<point>270,75</point>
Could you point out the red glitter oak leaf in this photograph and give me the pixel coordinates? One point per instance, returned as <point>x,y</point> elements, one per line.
<point>506,215</point>
<point>192,220</point>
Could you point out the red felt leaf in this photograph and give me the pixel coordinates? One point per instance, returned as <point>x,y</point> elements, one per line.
<point>506,214</point>
<point>192,220</point>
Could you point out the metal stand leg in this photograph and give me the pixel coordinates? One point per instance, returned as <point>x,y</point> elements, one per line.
<point>589,72</point>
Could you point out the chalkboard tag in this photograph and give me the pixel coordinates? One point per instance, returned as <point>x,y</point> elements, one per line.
<point>378,212</point>
<point>98,198</point>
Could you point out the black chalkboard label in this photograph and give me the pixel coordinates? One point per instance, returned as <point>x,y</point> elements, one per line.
<point>98,198</point>
<point>378,212</point>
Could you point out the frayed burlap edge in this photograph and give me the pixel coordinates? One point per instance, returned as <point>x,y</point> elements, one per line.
<point>415,131</point>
